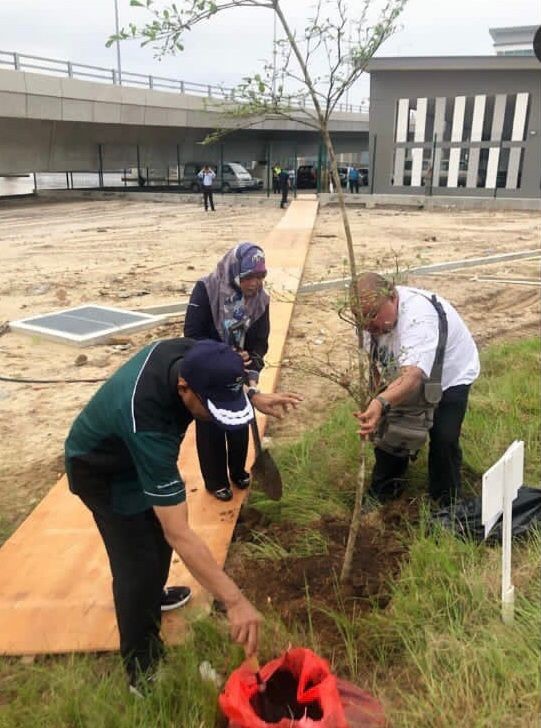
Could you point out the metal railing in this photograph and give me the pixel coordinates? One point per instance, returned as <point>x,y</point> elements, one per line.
<point>56,67</point>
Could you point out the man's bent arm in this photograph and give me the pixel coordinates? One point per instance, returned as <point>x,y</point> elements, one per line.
<point>195,554</point>
<point>244,619</point>
<point>406,384</point>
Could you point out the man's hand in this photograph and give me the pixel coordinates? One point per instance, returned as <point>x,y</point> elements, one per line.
<point>276,404</point>
<point>369,418</point>
<point>244,623</point>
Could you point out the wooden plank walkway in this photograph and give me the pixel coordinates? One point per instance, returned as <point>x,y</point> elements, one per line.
<point>55,589</point>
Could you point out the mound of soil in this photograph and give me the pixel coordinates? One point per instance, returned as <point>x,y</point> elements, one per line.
<point>287,584</point>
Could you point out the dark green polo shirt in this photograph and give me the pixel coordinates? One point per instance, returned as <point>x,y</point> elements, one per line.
<point>127,438</point>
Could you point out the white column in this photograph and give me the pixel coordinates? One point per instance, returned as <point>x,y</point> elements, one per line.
<point>420,120</point>
<point>497,119</point>
<point>478,118</point>
<point>492,166</point>
<point>398,173</point>
<point>456,136</point>
<point>519,120</point>
<point>513,168</point>
<point>402,120</point>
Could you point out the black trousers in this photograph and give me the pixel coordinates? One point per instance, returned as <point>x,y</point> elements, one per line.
<point>139,557</point>
<point>444,454</point>
<point>354,185</point>
<point>220,453</point>
<point>284,191</point>
<point>207,197</point>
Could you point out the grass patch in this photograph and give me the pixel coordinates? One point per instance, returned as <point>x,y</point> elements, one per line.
<point>318,472</point>
<point>440,654</point>
<point>504,406</point>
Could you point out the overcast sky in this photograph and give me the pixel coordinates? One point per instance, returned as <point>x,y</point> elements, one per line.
<point>232,45</point>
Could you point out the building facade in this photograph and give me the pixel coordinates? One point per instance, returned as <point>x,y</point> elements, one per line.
<point>456,125</point>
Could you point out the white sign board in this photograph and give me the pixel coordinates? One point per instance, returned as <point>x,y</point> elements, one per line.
<point>502,481</point>
<point>500,487</point>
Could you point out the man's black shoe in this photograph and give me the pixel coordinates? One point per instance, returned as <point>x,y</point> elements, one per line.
<point>174,597</point>
<point>223,494</point>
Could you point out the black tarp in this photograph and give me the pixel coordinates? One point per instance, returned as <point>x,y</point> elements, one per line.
<point>464,517</point>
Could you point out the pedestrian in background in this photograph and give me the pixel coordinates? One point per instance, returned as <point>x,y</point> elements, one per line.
<point>284,187</point>
<point>276,178</point>
<point>353,179</point>
<point>206,177</point>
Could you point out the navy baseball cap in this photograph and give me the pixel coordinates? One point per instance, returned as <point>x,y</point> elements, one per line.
<point>216,374</point>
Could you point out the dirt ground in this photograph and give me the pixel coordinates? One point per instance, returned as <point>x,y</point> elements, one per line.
<point>282,583</point>
<point>135,254</point>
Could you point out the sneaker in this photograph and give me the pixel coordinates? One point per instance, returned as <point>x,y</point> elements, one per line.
<point>223,494</point>
<point>141,688</point>
<point>243,482</point>
<point>174,597</point>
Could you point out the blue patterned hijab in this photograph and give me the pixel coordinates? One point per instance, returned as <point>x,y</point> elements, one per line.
<point>231,312</point>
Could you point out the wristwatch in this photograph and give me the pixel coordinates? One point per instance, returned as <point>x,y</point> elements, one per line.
<point>251,391</point>
<point>385,404</point>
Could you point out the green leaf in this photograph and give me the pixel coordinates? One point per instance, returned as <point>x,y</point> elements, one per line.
<point>137,4</point>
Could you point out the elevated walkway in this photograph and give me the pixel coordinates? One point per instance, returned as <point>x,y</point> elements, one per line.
<point>55,592</point>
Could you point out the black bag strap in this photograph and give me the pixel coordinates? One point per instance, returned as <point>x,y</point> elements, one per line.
<point>443,330</point>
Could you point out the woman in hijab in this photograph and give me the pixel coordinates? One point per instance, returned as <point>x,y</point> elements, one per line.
<point>230,305</point>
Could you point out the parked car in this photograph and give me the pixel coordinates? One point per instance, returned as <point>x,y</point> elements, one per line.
<point>234,177</point>
<point>343,174</point>
<point>363,176</point>
<point>307,177</point>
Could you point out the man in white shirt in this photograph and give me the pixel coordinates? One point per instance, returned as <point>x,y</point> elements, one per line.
<point>402,324</point>
<point>206,178</point>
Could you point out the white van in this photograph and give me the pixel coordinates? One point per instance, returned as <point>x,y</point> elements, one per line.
<point>234,177</point>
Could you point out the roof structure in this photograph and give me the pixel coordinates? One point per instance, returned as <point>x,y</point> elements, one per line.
<point>454,63</point>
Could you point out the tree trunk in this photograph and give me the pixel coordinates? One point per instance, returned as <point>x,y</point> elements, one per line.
<point>361,472</point>
<point>338,187</point>
<point>354,528</point>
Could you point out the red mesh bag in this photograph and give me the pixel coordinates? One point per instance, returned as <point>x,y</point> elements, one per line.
<point>299,692</point>
<point>361,709</point>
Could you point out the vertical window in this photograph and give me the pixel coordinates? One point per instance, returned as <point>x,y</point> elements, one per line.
<point>483,165</point>
<point>443,167</point>
<point>487,121</point>
<point>468,119</point>
<point>508,117</point>
<point>448,119</point>
<point>503,166</point>
<point>430,117</point>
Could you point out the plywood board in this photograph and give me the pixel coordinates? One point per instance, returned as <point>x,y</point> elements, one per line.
<point>55,590</point>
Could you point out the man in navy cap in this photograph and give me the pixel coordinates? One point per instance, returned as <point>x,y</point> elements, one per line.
<point>121,460</point>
